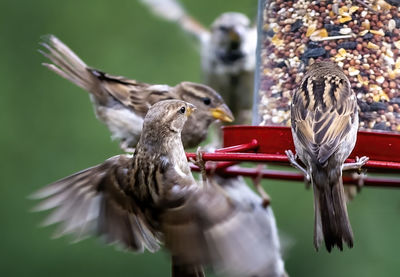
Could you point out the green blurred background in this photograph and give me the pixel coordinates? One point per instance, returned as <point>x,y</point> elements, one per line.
<point>49,131</point>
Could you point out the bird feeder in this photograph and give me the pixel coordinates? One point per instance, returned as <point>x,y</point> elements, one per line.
<point>363,38</point>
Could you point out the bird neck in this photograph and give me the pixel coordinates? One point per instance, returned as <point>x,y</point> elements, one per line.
<point>163,143</point>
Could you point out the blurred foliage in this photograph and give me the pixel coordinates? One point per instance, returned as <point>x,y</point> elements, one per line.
<point>50,131</point>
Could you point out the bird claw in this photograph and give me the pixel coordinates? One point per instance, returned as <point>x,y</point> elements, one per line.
<point>292,159</point>
<point>200,163</point>
<point>358,164</point>
<point>361,162</point>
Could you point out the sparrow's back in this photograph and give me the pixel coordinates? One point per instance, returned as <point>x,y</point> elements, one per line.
<point>324,127</point>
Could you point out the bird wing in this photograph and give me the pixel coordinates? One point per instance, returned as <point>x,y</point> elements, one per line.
<point>133,94</point>
<point>97,201</point>
<point>172,10</point>
<point>233,238</point>
<point>107,89</point>
<point>322,115</point>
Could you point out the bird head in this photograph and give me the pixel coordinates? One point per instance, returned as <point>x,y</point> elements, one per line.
<point>168,116</point>
<point>228,34</point>
<point>210,105</point>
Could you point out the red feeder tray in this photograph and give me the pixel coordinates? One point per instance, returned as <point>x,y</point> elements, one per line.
<point>268,144</point>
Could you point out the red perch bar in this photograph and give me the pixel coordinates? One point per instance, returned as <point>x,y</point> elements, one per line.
<point>268,144</point>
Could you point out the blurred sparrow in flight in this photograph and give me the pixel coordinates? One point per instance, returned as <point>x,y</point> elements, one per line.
<point>324,119</point>
<point>263,230</point>
<point>227,53</point>
<point>151,197</point>
<point>122,103</point>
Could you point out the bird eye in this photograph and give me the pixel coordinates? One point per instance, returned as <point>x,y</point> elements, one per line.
<point>223,28</point>
<point>207,101</point>
<point>182,110</point>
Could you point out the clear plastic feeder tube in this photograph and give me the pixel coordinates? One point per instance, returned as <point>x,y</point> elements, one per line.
<point>362,37</point>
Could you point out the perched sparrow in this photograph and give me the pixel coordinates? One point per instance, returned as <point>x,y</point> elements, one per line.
<point>122,103</point>
<point>151,197</point>
<point>227,53</point>
<point>324,118</point>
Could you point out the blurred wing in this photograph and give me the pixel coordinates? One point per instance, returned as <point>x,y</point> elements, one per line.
<point>259,231</point>
<point>172,10</point>
<point>233,238</point>
<point>322,115</point>
<point>95,202</point>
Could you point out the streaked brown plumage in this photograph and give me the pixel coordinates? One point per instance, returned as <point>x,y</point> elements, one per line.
<point>122,103</point>
<point>324,118</point>
<point>138,201</point>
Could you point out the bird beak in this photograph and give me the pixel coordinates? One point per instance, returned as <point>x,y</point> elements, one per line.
<point>222,113</point>
<point>234,35</point>
<point>190,109</point>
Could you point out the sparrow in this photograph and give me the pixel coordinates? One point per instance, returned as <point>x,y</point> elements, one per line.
<point>324,123</point>
<point>142,200</point>
<point>227,52</point>
<point>122,103</point>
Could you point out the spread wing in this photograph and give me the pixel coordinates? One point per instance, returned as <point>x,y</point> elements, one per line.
<point>96,201</point>
<point>172,10</point>
<point>323,110</point>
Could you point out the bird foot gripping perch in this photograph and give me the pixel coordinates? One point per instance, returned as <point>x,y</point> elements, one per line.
<point>358,164</point>
<point>292,159</point>
<point>200,163</point>
<point>207,178</point>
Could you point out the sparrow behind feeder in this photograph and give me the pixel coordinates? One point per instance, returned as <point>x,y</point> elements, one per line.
<point>227,52</point>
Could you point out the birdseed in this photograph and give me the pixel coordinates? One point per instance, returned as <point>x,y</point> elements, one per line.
<point>362,37</point>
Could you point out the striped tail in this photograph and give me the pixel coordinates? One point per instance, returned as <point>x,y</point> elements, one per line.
<point>331,219</point>
<point>69,66</point>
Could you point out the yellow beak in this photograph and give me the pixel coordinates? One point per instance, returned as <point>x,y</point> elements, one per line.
<point>222,113</point>
<point>234,35</point>
<point>190,109</point>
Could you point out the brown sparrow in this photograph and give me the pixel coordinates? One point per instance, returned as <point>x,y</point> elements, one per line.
<point>151,197</point>
<point>227,53</point>
<point>324,119</point>
<point>122,103</point>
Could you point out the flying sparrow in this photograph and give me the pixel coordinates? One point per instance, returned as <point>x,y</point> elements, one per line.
<point>324,119</point>
<point>227,53</point>
<point>151,197</point>
<point>122,103</point>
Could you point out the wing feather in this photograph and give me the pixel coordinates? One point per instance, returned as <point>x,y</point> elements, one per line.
<point>97,201</point>
<point>323,121</point>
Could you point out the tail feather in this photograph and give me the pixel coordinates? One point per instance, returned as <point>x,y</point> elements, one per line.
<point>68,65</point>
<point>331,219</point>
<point>343,221</point>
